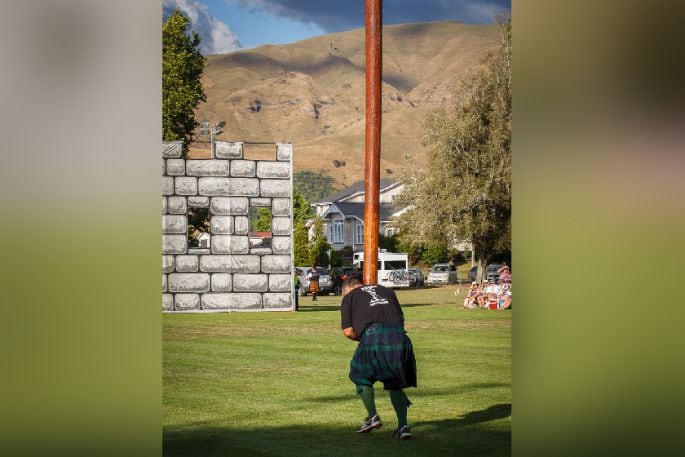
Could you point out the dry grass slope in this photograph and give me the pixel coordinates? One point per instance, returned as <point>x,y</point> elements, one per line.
<point>312,93</point>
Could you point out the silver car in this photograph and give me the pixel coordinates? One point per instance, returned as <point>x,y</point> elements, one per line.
<point>442,273</point>
<point>325,282</point>
<point>417,274</point>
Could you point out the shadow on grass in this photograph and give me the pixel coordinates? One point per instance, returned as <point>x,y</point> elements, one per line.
<point>474,417</point>
<point>310,308</point>
<point>419,392</point>
<point>468,436</point>
<point>414,305</point>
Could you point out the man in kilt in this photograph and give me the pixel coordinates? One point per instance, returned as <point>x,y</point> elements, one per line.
<point>313,277</point>
<point>372,315</point>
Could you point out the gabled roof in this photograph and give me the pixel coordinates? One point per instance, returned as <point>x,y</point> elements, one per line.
<point>355,188</point>
<point>356,210</point>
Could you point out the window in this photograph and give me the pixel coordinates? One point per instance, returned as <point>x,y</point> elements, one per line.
<point>395,265</point>
<point>330,232</point>
<point>199,225</point>
<point>359,233</point>
<point>260,229</point>
<point>338,231</point>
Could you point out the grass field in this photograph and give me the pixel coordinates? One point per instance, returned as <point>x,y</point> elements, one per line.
<point>275,384</point>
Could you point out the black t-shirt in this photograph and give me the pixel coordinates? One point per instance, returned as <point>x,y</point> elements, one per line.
<point>367,305</point>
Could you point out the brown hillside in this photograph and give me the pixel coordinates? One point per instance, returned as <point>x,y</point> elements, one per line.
<point>311,93</point>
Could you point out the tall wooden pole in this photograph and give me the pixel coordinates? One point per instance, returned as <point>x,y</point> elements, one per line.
<point>372,150</point>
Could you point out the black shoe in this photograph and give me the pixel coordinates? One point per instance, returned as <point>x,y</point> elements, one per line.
<point>403,433</point>
<point>370,423</point>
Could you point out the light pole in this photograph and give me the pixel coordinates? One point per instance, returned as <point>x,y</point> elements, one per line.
<point>207,129</point>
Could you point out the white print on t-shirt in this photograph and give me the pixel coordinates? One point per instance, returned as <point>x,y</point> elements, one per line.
<point>375,299</point>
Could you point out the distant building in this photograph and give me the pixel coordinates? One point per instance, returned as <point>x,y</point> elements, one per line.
<point>343,214</point>
<point>203,239</point>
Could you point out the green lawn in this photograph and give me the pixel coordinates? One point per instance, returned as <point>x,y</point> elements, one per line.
<point>275,384</point>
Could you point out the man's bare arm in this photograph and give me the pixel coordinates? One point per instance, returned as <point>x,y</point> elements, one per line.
<point>349,332</point>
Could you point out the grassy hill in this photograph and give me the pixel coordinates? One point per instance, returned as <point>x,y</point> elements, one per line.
<point>311,93</point>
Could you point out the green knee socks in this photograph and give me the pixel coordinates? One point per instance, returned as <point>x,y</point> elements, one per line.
<point>400,402</point>
<point>366,394</point>
<point>398,398</point>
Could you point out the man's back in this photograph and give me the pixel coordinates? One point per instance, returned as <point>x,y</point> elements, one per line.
<point>371,304</point>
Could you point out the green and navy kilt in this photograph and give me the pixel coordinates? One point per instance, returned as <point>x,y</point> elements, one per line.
<point>385,353</point>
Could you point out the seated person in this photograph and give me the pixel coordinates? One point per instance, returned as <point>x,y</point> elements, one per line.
<point>505,274</point>
<point>505,300</point>
<point>491,293</point>
<point>494,290</point>
<point>483,295</point>
<point>472,296</point>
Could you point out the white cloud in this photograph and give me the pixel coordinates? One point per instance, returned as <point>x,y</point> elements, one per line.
<point>480,13</point>
<point>217,37</point>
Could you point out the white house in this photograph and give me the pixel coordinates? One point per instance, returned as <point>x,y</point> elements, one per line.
<point>203,238</point>
<point>343,214</point>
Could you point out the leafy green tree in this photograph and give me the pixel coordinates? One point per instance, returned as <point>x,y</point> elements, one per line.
<point>302,212</point>
<point>314,186</point>
<point>465,192</point>
<point>182,66</point>
<point>336,259</point>
<point>434,253</point>
<point>412,249</point>
<point>387,242</point>
<point>318,246</point>
<point>260,219</point>
<point>301,242</point>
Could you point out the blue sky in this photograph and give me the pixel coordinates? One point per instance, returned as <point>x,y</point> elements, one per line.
<point>229,25</point>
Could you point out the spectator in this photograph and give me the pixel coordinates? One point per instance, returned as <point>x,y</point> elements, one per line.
<point>491,292</point>
<point>483,295</point>
<point>471,300</point>
<point>505,273</point>
<point>505,301</point>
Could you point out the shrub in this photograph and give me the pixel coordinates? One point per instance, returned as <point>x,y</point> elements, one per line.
<point>434,253</point>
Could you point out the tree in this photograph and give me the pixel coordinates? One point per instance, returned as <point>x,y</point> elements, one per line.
<point>261,220</point>
<point>182,66</point>
<point>301,242</point>
<point>388,243</point>
<point>465,192</point>
<point>314,186</point>
<point>302,212</point>
<point>434,253</point>
<point>318,246</point>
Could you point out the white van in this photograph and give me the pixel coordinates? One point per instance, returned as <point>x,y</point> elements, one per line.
<point>392,268</point>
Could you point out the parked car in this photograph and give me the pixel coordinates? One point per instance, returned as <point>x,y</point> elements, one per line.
<point>338,275</point>
<point>442,273</point>
<point>473,273</point>
<point>325,282</point>
<point>419,279</point>
<point>491,271</point>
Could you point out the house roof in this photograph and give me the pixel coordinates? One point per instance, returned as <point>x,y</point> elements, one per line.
<point>261,234</point>
<point>355,188</point>
<point>356,209</point>
<point>200,233</point>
